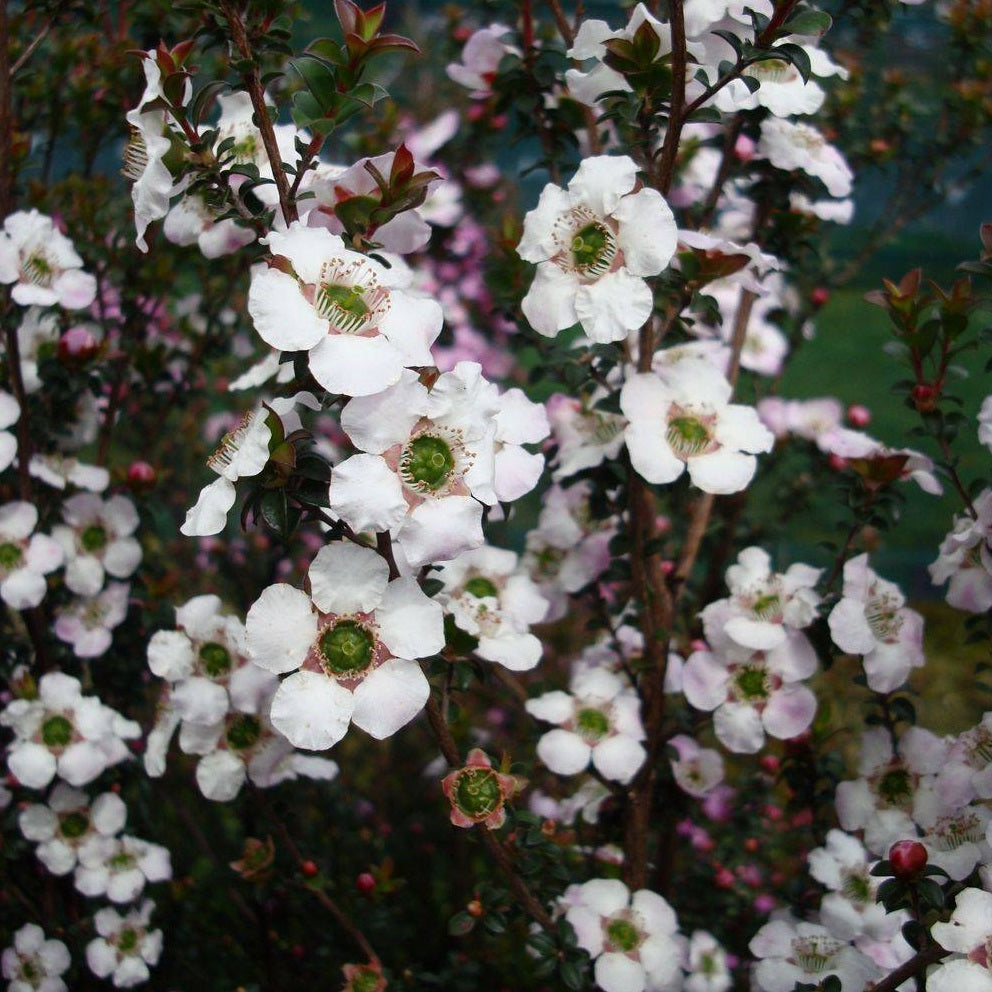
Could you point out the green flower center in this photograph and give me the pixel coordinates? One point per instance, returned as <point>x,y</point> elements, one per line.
<point>857,887</point>
<point>29,971</point>
<point>10,556</point>
<point>346,649</point>
<point>623,935</point>
<point>56,731</point>
<point>127,940</point>
<point>74,825</point>
<point>767,607</point>
<point>814,954</point>
<point>368,981</point>
<point>592,724</point>
<point>215,658</point>
<point>481,588</point>
<point>93,538</point>
<point>121,861</point>
<point>594,247</point>
<point>343,306</point>
<point>38,269</point>
<point>752,684</point>
<point>246,149</point>
<point>477,792</point>
<point>950,832</point>
<point>244,732</point>
<point>427,463</point>
<point>687,435</point>
<point>896,786</point>
<point>882,614</point>
<point>772,71</point>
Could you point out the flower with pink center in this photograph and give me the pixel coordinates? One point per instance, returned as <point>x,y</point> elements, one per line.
<point>633,938</point>
<point>350,645</point>
<point>872,620</point>
<point>340,307</point>
<point>477,792</point>
<point>480,60</point>
<point>752,693</point>
<point>594,244</point>
<point>683,420</point>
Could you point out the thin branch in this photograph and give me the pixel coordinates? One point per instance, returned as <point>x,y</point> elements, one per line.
<point>22,59</point>
<point>915,965</point>
<point>256,93</point>
<point>676,115</point>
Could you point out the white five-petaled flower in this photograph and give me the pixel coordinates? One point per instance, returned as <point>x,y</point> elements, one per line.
<point>34,964</point>
<point>632,937</point>
<point>966,558</point>
<point>593,244</point>
<point>42,264</point>
<point>349,645</point>
<point>25,558</point>
<point>340,307</point>
<point>125,946</point>
<point>64,732</point>
<point>86,622</point>
<point>683,419</point>
<point>968,932</point>
<point>872,620</point>
<point>599,722</point>
<point>119,867</point>
<point>67,821</point>
<point>789,146</point>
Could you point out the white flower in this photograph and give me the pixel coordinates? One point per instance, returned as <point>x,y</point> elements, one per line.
<point>68,821</point>
<point>125,946</point>
<point>429,462</point>
<point>191,222</point>
<point>593,244</point>
<point>697,770</point>
<point>966,558</point>
<point>60,471</point>
<point>37,335</point>
<point>149,143</point>
<point>34,963</point>
<point>683,419</point>
<point>872,620</point>
<point>119,867</point>
<point>794,952</point>
<point>967,932</point>
<point>633,938</point>
<point>25,558</point>
<point>585,435</point>
<point>64,732</point>
<point>790,146</point>
<point>339,307</point>
<point>707,966</point>
<point>489,598</point>
<point>86,622</point>
<point>97,540</point>
<point>42,263</point>
<point>599,722</point>
<point>353,640</point>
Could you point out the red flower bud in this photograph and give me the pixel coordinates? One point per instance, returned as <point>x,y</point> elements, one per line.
<point>908,859</point>
<point>365,883</point>
<point>818,296</point>
<point>309,869</point>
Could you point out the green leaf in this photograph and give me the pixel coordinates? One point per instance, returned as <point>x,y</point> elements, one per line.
<point>461,924</point>
<point>808,21</point>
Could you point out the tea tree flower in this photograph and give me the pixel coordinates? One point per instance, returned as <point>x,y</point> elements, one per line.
<point>34,963</point>
<point>349,645</point>
<point>633,938</point>
<point>593,244</point>
<point>125,946</point>
<point>966,559</point>
<point>86,622</point>
<point>790,146</point>
<point>477,792</point>
<point>42,264</point>
<point>480,60</point>
<point>119,867</point>
<point>599,722</point>
<point>25,557</point>
<point>67,821</point>
<point>683,419</point>
<point>64,732</point>
<point>340,307</point>
<point>967,932</point>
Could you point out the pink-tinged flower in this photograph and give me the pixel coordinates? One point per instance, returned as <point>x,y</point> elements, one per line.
<point>340,307</point>
<point>707,965</point>
<point>42,264</point>
<point>633,938</point>
<point>584,434</point>
<point>966,559</point>
<point>86,622</point>
<point>478,793</point>
<point>752,692</point>
<point>363,978</point>
<point>350,645</point>
<point>872,620</point>
<point>481,56</point>
<point>968,932</point>
<point>683,420</point>
<point>34,963</point>
<point>599,722</point>
<point>697,770</point>
<point>593,244</point>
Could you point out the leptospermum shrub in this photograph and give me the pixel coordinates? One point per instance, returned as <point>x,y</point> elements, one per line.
<point>405,535</point>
